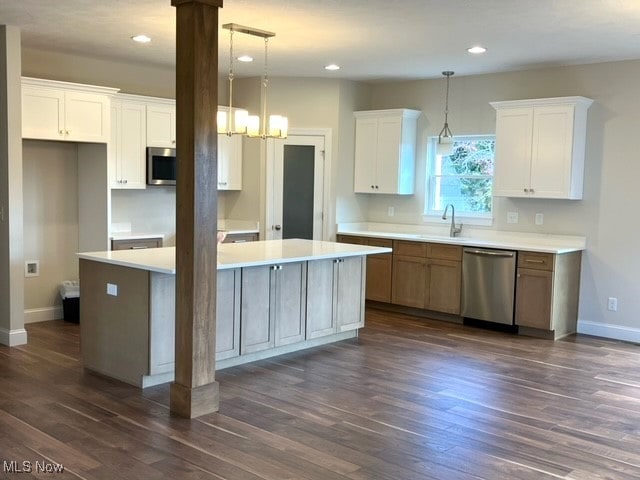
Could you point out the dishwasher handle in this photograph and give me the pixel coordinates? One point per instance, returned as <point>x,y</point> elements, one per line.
<point>488,253</point>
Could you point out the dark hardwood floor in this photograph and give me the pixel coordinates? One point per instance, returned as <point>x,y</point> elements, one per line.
<point>410,399</point>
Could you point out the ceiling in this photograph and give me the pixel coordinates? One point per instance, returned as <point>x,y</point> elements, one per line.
<point>372,40</point>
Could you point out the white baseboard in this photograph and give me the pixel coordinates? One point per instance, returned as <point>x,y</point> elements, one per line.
<point>13,338</point>
<point>608,330</point>
<point>34,315</point>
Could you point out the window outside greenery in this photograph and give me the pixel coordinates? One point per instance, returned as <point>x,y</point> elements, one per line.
<point>464,178</point>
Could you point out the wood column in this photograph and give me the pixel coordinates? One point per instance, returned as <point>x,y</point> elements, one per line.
<point>195,391</point>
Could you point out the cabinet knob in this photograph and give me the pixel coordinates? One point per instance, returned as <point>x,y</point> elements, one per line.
<point>277,227</point>
<point>68,132</point>
<point>61,132</point>
<point>526,190</point>
<point>377,187</point>
<point>531,190</point>
<point>373,186</point>
<point>124,181</point>
<point>173,142</point>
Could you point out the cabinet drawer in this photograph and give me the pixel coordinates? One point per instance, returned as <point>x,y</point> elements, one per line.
<point>411,249</point>
<point>241,238</point>
<point>537,261</point>
<point>380,242</point>
<point>351,239</point>
<point>136,244</point>
<point>444,252</point>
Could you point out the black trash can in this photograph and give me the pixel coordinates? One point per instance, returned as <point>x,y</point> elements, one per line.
<point>70,293</point>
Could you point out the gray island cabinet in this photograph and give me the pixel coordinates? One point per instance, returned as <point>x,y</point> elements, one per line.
<point>273,297</point>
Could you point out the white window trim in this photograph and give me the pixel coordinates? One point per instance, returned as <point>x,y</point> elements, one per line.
<point>435,217</point>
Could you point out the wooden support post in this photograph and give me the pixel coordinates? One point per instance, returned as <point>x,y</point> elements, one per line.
<point>195,391</point>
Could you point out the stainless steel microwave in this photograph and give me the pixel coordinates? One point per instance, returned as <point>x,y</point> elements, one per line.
<point>161,166</point>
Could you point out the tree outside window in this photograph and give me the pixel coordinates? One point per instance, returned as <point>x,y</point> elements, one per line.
<point>464,178</point>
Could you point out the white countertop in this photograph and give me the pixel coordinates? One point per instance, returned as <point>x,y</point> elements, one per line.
<point>229,226</point>
<point>235,255</point>
<point>531,242</point>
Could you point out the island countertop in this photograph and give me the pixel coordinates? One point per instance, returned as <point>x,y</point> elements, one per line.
<point>235,255</point>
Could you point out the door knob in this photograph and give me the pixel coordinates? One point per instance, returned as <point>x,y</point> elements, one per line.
<point>277,227</point>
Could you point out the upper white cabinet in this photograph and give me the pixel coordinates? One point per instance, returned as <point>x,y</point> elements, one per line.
<point>229,162</point>
<point>65,111</point>
<point>127,159</point>
<point>161,123</point>
<point>385,151</point>
<point>540,147</point>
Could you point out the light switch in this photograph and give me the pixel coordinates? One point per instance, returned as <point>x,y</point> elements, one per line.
<point>112,289</point>
<point>539,218</point>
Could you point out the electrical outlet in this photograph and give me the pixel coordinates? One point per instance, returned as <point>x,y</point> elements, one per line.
<point>112,289</point>
<point>512,217</point>
<point>391,211</point>
<point>612,304</point>
<point>539,218</point>
<point>32,268</point>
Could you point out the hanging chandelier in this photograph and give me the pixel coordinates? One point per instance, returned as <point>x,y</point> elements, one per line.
<point>445,138</point>
<point>238,121</point>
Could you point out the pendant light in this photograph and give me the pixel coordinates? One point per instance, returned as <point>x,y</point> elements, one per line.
<point>243,123</point>
<point>445,138</point>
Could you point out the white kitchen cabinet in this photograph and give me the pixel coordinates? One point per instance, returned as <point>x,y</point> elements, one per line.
<point>161,123</point>
<point>127,159</point>
<point>65,111</point>
<point>273,306</point>
<point>229,162</point>
<point>385,151</point>
<point>342,280</point>
<point>540,147</point>
<point>228,314</point>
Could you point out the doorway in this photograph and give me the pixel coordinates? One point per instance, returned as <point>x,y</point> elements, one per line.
<point>296,203</point>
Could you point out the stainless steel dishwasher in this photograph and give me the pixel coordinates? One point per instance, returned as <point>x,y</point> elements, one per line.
<point>488,284</point>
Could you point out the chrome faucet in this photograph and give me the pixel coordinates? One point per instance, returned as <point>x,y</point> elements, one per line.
<point>453,231</point>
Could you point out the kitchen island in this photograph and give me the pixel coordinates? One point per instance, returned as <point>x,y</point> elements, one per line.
<point>273,297</point>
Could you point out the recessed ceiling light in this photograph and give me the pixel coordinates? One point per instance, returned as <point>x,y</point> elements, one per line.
<point>477,49</point>
<point>332,66</point>
<point>141,38</point>
<point>245,58</point>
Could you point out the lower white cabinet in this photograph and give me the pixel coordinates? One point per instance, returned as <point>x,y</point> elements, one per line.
<point>342,280</point>
<point>228,314</point>
<point>273,306</point>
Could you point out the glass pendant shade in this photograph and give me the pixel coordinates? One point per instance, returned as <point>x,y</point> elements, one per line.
<point>445,138</point>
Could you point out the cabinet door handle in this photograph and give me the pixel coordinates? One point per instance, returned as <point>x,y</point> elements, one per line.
<point>124,181</point>
<point>377,187</point>
<point>68,132</point>
<point>138,247</point>
<point>372,186</point>
<point>534,261</point>
<point>531,190</point>
<point>61,132</point>
<point>526,190</point>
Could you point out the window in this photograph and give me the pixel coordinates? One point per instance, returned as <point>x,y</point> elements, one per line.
<point>464,178</point>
